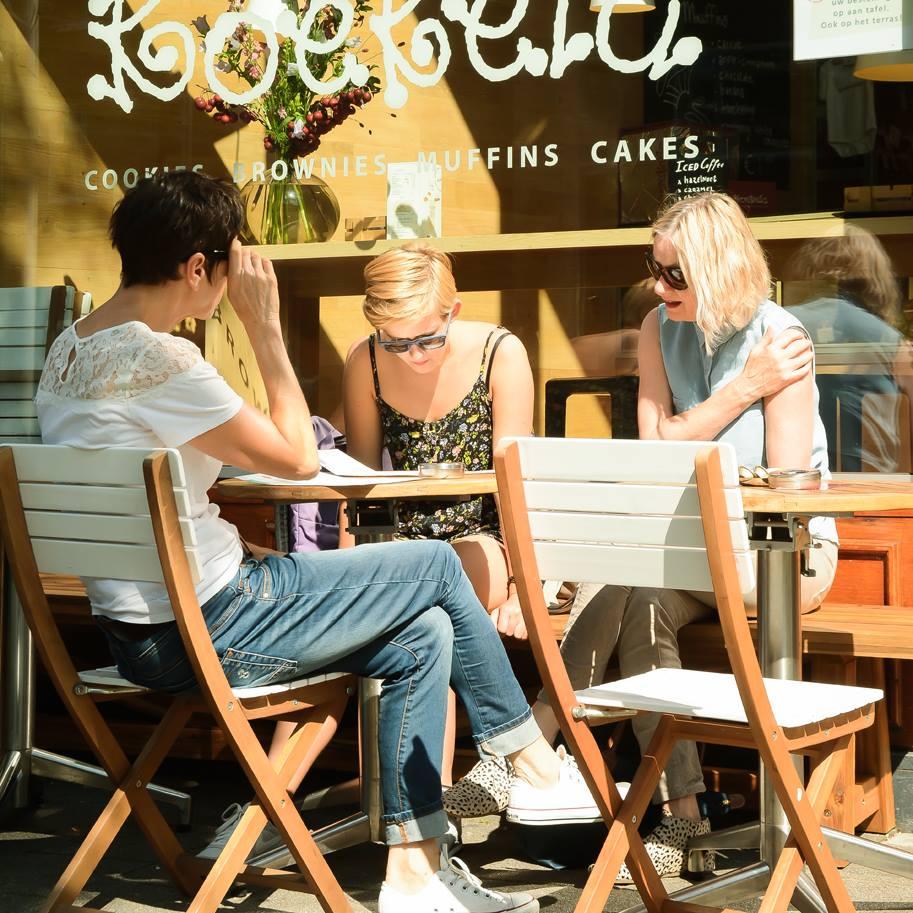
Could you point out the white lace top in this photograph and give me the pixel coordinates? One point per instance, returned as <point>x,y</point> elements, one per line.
<point>129,386</point>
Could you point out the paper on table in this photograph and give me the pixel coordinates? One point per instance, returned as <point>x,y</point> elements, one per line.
<point>340,463</point>
<point>329,480</point>
<point>337,469</point>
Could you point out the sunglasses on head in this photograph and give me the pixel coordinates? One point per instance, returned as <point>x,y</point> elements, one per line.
<point>671,275</point>
<point>401,346</point>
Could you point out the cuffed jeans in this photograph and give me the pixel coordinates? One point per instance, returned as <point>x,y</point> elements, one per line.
<point>401,612</point>
<point>643,624</point>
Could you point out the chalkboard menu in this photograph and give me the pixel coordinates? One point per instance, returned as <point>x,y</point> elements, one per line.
<point>739,85</point>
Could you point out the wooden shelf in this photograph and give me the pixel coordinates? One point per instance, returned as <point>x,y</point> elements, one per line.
<point>567,259</point>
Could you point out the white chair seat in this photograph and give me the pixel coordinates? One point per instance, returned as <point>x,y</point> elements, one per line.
<point>714,695</point>
<point>108,677</point>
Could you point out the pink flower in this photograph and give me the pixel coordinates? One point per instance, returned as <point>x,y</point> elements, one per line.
<point>254,71</point>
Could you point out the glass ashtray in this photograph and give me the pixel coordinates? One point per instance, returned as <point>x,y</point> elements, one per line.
<point>794,479</point>
<point>441,470</point>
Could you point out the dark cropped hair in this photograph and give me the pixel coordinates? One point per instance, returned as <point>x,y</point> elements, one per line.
<point>167,218</point>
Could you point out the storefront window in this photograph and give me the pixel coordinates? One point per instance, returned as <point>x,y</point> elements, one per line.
<point>536,140</point>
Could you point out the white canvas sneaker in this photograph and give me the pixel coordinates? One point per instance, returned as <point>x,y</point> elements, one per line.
<point>454,889</point>
<point>568,802</point>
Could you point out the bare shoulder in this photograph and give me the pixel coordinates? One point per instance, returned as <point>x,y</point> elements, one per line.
<point>510,362</point>
<point>357,370</point>
<point>358,352</point>
<point>511,348</point>
<point>651,322</point>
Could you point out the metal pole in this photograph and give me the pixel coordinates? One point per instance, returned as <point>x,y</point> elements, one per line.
<point>18,678</point>
<point>780,640</point>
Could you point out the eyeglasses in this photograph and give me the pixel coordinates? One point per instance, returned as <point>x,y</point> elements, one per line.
<point>401,346</point>
<point>671,275</point>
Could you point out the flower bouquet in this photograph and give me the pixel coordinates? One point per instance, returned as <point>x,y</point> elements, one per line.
<point>287,206</point>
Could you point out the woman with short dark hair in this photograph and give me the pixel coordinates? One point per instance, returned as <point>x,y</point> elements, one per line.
<point>401,612</point>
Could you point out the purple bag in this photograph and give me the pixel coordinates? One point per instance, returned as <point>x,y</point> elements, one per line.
<point>314,525</point>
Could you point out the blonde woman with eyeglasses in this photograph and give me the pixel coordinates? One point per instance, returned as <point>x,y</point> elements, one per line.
<point>427,386</point>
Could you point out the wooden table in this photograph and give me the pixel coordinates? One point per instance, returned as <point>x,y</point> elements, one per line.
<point>778,531</point>
<point>372,518</point>
<point>472,483</point>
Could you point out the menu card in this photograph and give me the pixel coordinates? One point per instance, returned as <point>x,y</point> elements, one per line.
<point>414,200</point>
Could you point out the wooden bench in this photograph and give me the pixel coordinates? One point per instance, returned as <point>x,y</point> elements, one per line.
<point>846,644</point>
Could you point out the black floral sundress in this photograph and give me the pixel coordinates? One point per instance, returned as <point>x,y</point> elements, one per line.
<point>464,435</point>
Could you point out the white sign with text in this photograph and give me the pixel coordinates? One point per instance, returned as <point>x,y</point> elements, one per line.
<point>844,28</point>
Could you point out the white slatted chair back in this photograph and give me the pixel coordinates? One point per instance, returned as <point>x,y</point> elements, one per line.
<point>30,320</point>
<point>88,515</point>
<point>626,512</point>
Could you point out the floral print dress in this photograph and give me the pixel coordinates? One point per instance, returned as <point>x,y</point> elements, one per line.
<point>464,435</point>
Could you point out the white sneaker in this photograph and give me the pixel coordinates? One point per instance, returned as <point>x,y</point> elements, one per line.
<point>454,889</point>
<point>568,802</point>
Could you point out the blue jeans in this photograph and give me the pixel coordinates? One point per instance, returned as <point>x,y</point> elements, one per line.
<point>403,612</point>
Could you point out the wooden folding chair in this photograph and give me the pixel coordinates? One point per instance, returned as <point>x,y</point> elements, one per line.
<point>124,514</point>
<point>631,513</point>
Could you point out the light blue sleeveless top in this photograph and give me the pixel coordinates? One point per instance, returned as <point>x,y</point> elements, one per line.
<point>694,375</point>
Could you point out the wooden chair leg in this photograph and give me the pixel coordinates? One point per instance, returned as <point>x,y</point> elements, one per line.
<point>788,868</point>
<point>874,755</point>
<point>130,796</point>
<point>839,812</point>
<point>273,803</point>
<point>624,840</point>
<point>806,833</point>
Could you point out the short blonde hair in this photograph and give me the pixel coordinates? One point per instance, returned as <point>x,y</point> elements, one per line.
<point>407,283</point>
<point>721,258</point>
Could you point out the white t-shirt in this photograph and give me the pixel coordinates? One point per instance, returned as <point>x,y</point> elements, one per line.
<point>129,386</point>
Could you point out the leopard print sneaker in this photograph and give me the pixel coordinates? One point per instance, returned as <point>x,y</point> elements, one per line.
<point>666,846</point>
<point>485,790</point>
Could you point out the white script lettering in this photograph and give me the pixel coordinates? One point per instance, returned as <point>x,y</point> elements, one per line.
<point>429,40</point>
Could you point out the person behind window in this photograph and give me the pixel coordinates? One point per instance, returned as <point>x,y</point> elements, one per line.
<point>614,352</point>
<point>402,612</point>
<point>867,389</point>
<point>427,386</point>
<point>718,361</point>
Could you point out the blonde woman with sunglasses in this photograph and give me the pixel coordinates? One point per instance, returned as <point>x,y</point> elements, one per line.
<point>717,361</point>
<point>427,386</point>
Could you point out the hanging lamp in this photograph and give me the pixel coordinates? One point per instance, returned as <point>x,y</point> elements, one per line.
<point>894,66</point>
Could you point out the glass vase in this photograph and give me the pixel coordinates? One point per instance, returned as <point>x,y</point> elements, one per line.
<point>289,211</point>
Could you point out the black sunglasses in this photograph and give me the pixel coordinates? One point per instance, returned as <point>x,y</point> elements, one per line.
<point>671,275</point>
<point>401,346</point>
